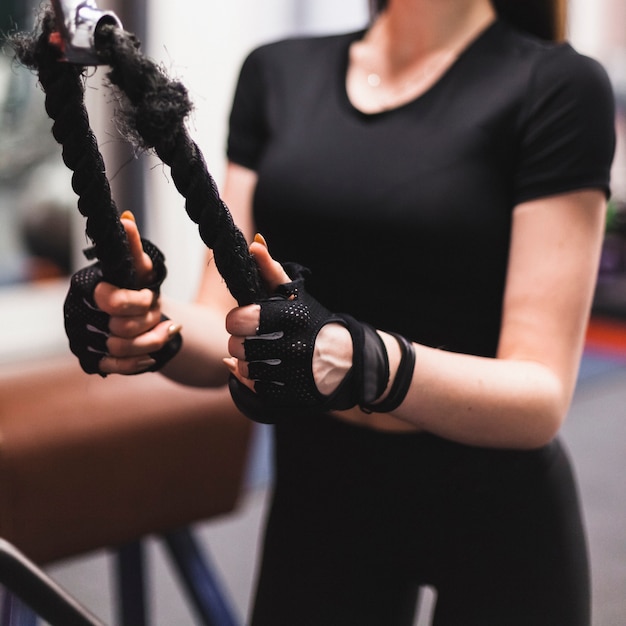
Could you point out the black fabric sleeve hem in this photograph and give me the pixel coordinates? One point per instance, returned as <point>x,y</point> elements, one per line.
<point>536,193</point>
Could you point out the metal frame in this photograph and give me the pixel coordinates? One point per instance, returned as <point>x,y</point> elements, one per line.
<point>29,593</point>
<point>22,578</point>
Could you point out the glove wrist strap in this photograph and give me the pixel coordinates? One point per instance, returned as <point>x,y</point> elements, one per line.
<point>401,382</point>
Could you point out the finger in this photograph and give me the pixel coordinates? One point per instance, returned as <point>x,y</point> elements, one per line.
<point>132,326</point>
<point>144,344</point>
<point>243,321</point>
<point>124,302</point>
<point>133,365</point>
<point>236,348</point>
<point>272,272</point>
<point>141,261</point>
<point>236,368</point>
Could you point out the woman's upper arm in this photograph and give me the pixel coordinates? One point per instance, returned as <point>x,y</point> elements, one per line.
<point>237,192</point>
<point>553,263</point>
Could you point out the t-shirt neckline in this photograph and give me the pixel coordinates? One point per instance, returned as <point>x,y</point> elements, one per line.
<point>450,71</point>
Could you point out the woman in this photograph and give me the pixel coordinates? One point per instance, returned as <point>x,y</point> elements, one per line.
<point>444,177</point>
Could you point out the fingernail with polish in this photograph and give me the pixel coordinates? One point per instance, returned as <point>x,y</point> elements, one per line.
<point>258,238</point>
<point>230,364</point>
<point>127,215</point>
<point>174,329</point>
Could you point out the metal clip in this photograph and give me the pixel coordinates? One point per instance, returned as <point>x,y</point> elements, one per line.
<point>78,22</point>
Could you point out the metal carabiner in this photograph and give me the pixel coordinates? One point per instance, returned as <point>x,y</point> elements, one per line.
<point>78,22</point>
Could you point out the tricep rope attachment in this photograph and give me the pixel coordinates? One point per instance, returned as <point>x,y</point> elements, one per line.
<point>72,35</point>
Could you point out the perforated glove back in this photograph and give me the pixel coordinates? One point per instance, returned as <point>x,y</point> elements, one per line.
<point>280,358</point>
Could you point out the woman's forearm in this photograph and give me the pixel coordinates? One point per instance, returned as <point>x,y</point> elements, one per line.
<point>199,362</point>
<point>485,402</point>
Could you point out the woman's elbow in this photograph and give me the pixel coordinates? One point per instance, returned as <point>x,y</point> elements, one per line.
<point>547,414</point>
<point>541,434</point>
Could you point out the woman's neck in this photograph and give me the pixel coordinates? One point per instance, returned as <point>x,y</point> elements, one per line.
<point>411,29</point>
<point>409,47</point>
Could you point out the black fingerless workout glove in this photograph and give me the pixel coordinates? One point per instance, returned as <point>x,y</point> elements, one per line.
<point>280,359</point>
<point>87,327</point>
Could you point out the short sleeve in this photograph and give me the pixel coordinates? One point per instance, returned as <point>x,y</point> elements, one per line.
<point>248,128</point>
<point>568,127</point>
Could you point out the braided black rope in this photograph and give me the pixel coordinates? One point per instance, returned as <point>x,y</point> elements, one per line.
<point>64,89</point>
<point>154,110</point>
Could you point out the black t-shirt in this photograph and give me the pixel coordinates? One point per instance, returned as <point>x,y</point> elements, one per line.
<point>404,216</point>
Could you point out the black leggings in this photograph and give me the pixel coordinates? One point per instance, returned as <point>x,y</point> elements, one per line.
<point>361,519</point>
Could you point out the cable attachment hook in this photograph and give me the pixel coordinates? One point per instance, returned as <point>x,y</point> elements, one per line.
<point>78,23</point>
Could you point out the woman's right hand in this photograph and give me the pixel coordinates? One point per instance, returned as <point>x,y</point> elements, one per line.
<point>126,332</point>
